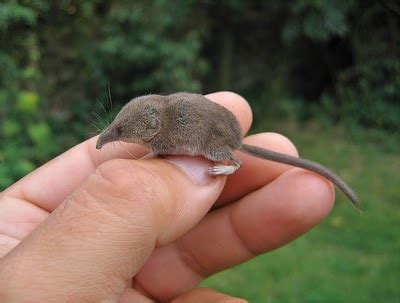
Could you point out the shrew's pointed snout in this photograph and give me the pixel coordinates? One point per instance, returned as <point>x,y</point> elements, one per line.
<point>105,137</point>
<point>99,144</point>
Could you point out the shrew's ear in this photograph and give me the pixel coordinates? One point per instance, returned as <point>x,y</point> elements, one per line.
<point>153,122</point>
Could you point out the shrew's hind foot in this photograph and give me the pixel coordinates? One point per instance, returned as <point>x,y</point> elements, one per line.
<point>224,169</point>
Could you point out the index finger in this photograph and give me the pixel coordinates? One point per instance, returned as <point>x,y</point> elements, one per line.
<point>50,184</point>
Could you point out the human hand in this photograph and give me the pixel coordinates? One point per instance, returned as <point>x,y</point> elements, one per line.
<point>97,226</point>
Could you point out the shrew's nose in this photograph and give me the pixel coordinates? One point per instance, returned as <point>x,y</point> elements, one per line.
<point>105,137</point>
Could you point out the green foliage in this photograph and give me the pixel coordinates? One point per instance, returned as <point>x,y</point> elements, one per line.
<point>12,12</point>
<point>27,102</point>
<point>317,20</point>
<point>340,63</point>
<point>369,94</point>
<point>163,49</point>
<point>40,134</point>
<point>10,128</point>
<point>27,137</point>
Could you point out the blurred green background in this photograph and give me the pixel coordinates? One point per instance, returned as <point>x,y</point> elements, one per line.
<point>324,73</point>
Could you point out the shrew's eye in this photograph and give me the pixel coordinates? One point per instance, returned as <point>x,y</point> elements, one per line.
<point>119,131</point>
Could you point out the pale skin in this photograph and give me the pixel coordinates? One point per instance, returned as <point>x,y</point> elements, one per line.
<point>99,226</point>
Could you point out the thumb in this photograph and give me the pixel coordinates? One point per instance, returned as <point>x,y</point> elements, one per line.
<point>102,234</point>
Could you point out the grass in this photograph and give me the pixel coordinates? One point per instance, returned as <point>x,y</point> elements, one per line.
<point>347,258</point>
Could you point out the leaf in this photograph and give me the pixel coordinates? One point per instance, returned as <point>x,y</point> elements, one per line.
<point>28,102</point>
<point>40,134</point>
<point>24,167</point>
<point>10,128</point>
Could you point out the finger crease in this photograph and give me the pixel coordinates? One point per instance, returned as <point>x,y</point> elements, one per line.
<point>190,261</point>
<point>238,238</point>
<point>136,285</point>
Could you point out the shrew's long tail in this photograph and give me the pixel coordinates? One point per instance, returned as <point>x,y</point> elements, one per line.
<point>306,164</point>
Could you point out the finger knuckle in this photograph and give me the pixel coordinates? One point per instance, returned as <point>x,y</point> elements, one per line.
<point>122,178</point>
<point>131,192</point>
<point>113,187</point>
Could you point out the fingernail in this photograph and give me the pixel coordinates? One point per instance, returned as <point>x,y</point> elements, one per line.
<point>196,168</point>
